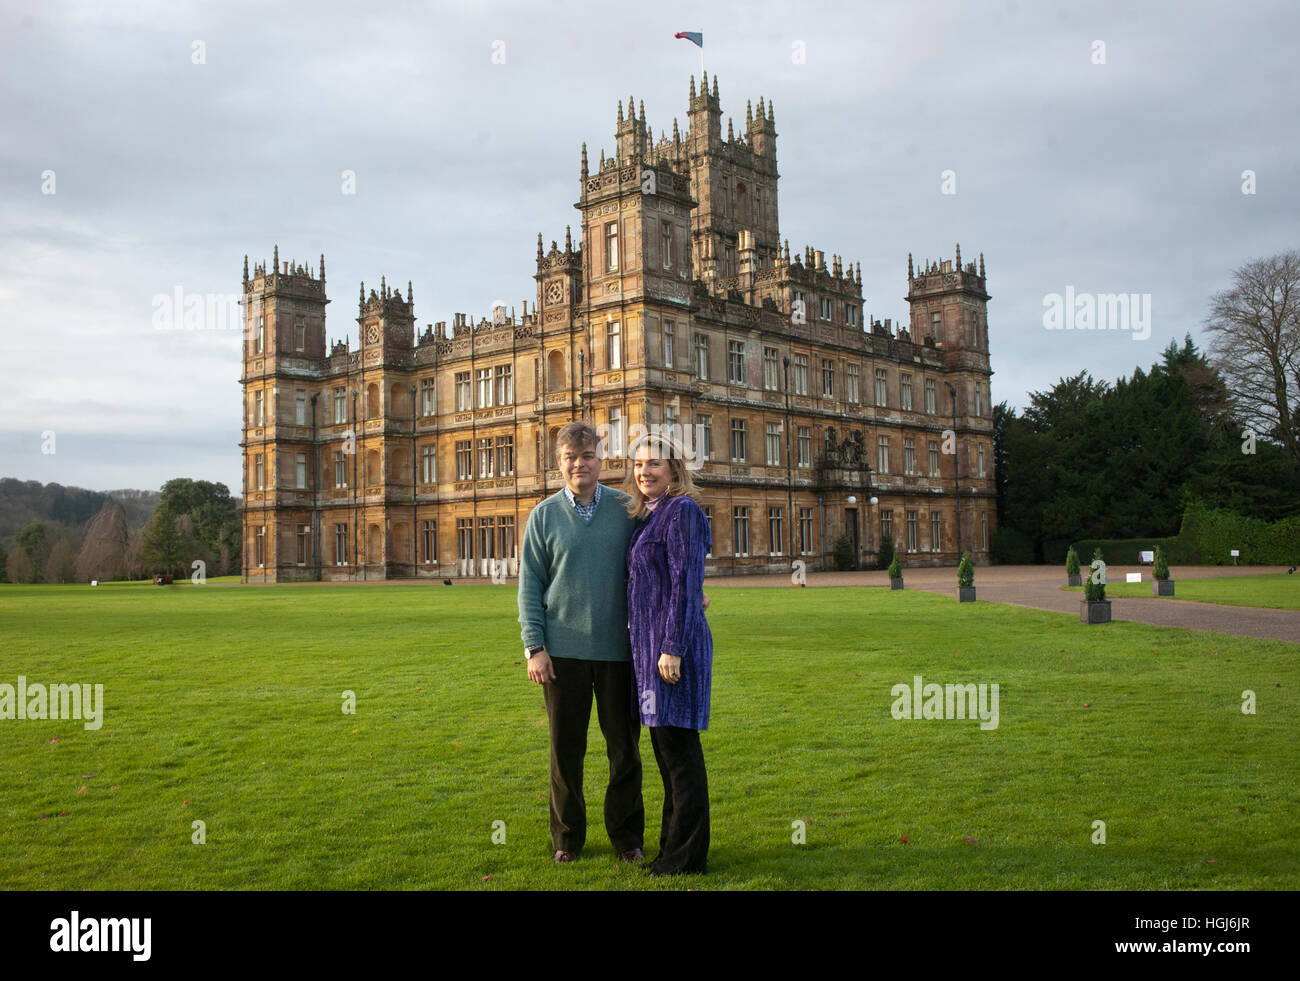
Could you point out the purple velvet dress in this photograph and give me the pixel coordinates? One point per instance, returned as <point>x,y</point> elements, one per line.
<point>665,562</point>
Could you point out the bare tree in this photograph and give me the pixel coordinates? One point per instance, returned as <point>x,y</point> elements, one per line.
<point>1255,345</point>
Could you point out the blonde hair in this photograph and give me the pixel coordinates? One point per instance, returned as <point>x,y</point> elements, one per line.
<point>680,481</point>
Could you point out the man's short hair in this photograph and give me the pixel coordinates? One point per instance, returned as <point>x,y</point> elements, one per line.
<point>578,434</point>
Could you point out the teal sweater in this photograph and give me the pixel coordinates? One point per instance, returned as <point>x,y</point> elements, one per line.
<point>573,579</point>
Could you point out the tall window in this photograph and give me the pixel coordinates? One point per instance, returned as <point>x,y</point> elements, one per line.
<point>979,399</point>
<point>300,335</point>
<point>851,314</point>
<point>771,369</point>
<point>775,536</point>
<point>300,468</point>
<point>506,537</point>
<point>980,457</point>
<point>826,308</point>
<point>773,444</point>
<point>668,343</point>
<point>300,409</point>
<point>429,542</point>
<point>340,405</point>
<point>340,469</point>
<point>905,392</point>
<point>805,531</point>
<point>936,528</point>
<point>464,460</point>
<point>851,383</point>
<point>341,544</point>
<point>936,325</point>
<point>804,443</point>
<point>485,456</point>
<point>909,455</point>
<point>463,392</point>
<point>261,546</point>
<point>428,406</point>
<point>259,410</point>
<point>505,456</point>
<point>429,461</point>
<point>929,395</point>
<point>736,362</point>
<point>882,454</point>
<point>984,529</point>
<point>738,440</point>
<point>887,524</point>
<point>304,542</point>
<point>487,544</point>
<point>911,531</point>
<point>505,384</point>
<point>465,538</point>
<point>705,449</point>
<point>666,244</point>
<point>613,345</point>
<point>740,524</point>
<point>701,356</point>
<point>484,387</point>
<point>616,432</point>
<point>828,378</point>
<point>257,472</point>
<point>801,374</point>
<point>934,457</point>
<point>611,247</point>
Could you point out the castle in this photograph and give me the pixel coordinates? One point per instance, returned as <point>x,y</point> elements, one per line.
<point>422,453</point>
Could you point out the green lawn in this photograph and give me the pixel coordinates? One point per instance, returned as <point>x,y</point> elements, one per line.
<point>223,704</point>
<point>1276,590</point>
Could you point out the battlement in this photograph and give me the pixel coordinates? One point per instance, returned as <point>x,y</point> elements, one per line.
<point>290,276</point>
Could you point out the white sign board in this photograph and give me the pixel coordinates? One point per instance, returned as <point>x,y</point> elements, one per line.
<point>1236,552</point>
<point>1146,558</point>
<point>1133,577</point>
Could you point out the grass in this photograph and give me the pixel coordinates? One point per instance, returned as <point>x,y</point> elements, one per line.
<point>1275,590</point>
<point>223,705</point>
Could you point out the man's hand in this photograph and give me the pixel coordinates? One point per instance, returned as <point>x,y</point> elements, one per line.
<point>705,604</point>
<point>670,668</point>
<point>540,669</point>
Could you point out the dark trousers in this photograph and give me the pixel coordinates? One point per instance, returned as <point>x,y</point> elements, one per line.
<point>684,833</point>
<point>568,706</point>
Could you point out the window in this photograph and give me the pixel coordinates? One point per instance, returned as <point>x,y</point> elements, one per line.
<point>429,542</point>
<point>771,369</point>
<point>261,546</point>
<point>465,539</point>
<point>773,444</point>
<point>259,339</point>
<point>505,384</point>
<point>805,531</point>
<point>484,387</point>
<point>805,446</point>
<point>304,542</point>
<point>929,395</point>
<point>506,537</point>
<point>666,244</point>
<point>882,388</point>
<point>340,469</point>
<point>979,399</point>
<point>487,538</point>
<point>340,406</point>
<point>934,458</point>
<point>701,356</point>
<point>706,431</point>
<point>905,392</point>
<point>980,457</point>
<point>485,456</point>
<point>851,383</point>
<point>911,531</point>
<point>611,247</point>
<point>668,343</point>
<point>828,378</point>
<point>428,406</point>
<point>708,516</point>
<point>801,374</point>
<point>429,459</point>
<point>851,314</point>
<point>887,524</point>
<point>300,468</point>
<point>613,346</point>
<point>936,526</point>
<point>300,409</point>
<point>984,529</point>
<point>257,471</point>
<point>341,544</point>
<point>259,409</point>
<point>936,325</point>
<point>909,455</point>
<point>738,440</point>
<point>726,197</point>
<point>775,536</point>
<point>740,523</point>
<point>616,433</point>
<point>882,454</point>
<point>736,362</point>
<point>464,460</point>
<point>300,335</point>
<point>505,456</point>
<point>826,308</point>
<point>463,392</point>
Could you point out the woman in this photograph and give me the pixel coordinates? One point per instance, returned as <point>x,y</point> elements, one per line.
<point>672,648</point>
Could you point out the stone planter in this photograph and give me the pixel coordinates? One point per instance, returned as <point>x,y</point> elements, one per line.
<point>1098,612</point>
<point>896,583</point>
<point>1162,587</point>
<point>965,594</point>
<point>1076,579</point>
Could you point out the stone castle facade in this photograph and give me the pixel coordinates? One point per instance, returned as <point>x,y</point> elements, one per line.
<point>422,453</point>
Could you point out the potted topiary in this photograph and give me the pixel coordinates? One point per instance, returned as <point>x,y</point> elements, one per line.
<point>1094,607</point>
<point>965,580</point>
<point>1072,568</point>
<point>895,574</point>
<point>1161,584</point>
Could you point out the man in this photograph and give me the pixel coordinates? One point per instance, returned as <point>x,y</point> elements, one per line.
<point>573,610</point>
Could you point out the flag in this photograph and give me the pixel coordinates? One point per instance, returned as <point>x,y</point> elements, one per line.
<point>694,37</point>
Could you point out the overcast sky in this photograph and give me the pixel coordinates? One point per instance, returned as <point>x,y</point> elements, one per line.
<point>181,136</point>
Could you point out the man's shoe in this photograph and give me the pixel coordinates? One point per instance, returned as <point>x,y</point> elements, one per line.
<point>632,856</point>
<point>562,856</point>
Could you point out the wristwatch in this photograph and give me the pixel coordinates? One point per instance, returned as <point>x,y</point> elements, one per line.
<point>529,652</point>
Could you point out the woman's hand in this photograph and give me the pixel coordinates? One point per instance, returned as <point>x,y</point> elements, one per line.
<point>670,668</point>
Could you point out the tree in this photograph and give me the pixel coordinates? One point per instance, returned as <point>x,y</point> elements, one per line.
<point>4,562</point>
<point>34,539</point>
<point>60,567</point>
<point>103,556</point>
<point>19,566</point>
<point>1256,346</point>
<point>164,547</point>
